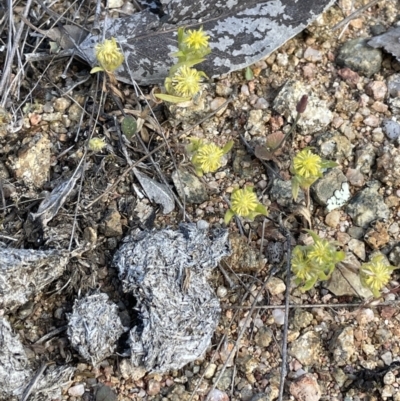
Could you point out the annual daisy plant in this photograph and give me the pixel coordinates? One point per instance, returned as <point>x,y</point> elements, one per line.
<point>244,203</point>
<point>183,81</point>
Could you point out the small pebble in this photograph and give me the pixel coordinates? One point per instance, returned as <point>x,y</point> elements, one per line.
<point>222,292</point>
<point>210,370</point>
<point>279,316</point>
<point>332,219</point>
<point>77,390</point>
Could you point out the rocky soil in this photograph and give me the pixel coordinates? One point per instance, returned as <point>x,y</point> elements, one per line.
<point>342,343</point>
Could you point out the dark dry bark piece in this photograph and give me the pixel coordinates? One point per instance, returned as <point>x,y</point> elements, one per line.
<point>25,272</point>
<point>390,41</point>
<point>94,327</point>
<point>241,33</point>
<point>167,272</point>
<point>14,366</point>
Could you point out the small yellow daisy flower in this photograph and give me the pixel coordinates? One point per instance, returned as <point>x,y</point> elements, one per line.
<point>376,274</point>
<point>244,203</point>
<point>208,158</point>
<point>96,144</point>
<point>109,55</point>
<point>196,39</point>
<point>320,251</point>
<point>186,81</point>
<point>307,164</point>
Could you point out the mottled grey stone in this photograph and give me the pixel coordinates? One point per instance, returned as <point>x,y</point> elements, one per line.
<point>189,187</point>
<point>332,190</point>
<point>316,115</point>
<point>302,318</point>
<point>281,192</point>
<point>342,346</point>
<point>394,255</point>
<point>333,146</point>
<point>264,336</point>
<point>358,56</point>
<point>365,158</point>
<point>306,349</point>
<point>367,206</point>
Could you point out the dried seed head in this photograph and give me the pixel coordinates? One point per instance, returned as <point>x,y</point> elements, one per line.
<point>301,106</point>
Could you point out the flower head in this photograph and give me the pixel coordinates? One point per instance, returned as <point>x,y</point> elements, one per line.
<point>244,203</point>
<point>196,39</point>
<point>207,156</point>
<point>96,144</point>
<point>186,81</point>
<point>109,55</point>
<point>376,274</point>
<point>307,164</point>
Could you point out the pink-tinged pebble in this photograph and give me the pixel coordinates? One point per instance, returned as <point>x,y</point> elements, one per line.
<point>372,121</point>
<point>380,107</point>
<point>306,388</point>
<point>350,76</point>
<point>376,89</point>
<point>217,395</point>
<point>76,391</point>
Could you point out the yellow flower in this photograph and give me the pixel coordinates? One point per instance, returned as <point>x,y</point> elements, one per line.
<point>307,164</point>
<point>376,274</point>
<point>320,251</point>
<point>244,203</point>
<point>186,81</point>
<point>109,55</point>
<point>96,144</point>
<point>208,158</point>
<point>196,39</point>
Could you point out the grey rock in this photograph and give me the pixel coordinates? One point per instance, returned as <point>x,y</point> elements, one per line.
<point>357,247</point>
<point>189,187</point>
<point>128,371</point>
<point>365,158</point>
<point>334,146</point>
<point>302,318</point>
<point>367,206</point>
<point>306,349</point>
<point>394,105</point>
<point>281,192</point>
<point>355,232</point>
<point>332,190</point>
<point>264,336</point>
<point>358,56</point>
<point>316,116</point>
<point>342,346</point>
<point>394,255</point>
<point>393,84</point>
<point>105,393</point>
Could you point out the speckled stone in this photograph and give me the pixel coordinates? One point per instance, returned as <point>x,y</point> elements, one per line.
<point>358,56</point>
<point>366,206</point>
<point>306,348</point>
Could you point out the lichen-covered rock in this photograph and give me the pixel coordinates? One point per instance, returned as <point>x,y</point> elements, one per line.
<point>241,33</point>
<point>316,115</point>
<point>166,271</point>
<point>332,190</point>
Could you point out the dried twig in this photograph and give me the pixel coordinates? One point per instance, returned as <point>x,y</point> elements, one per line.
<point>286,321</point>
<point>354,15</point>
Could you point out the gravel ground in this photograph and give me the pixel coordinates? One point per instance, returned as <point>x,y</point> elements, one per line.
<point>342,344</point>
